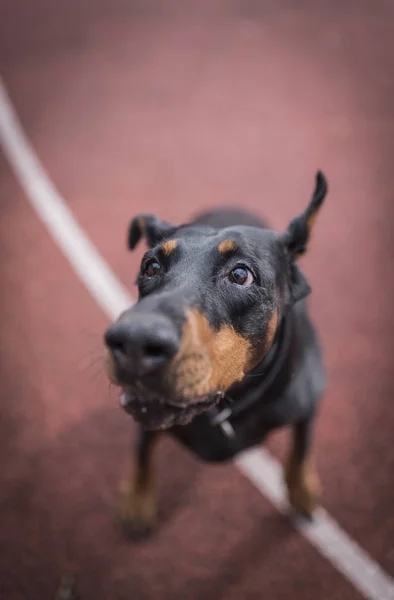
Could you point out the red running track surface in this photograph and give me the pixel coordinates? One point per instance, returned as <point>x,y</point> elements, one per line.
<point>148,106</point>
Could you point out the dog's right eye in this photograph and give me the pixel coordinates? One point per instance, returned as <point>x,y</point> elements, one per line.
<point>241,275</point>
<point>151,269</point>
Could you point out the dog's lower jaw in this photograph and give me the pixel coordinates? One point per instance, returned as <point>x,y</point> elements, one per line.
<point>155,413</point>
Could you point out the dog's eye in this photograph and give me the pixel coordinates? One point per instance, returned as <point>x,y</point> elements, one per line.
<point>241,276</point>
<point>151,269</point>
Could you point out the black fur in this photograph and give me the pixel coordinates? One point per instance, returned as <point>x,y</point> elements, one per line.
<point>194,275</point>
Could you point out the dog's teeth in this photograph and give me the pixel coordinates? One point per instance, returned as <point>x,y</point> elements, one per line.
<point>144,409</point>
<point>123,400</point>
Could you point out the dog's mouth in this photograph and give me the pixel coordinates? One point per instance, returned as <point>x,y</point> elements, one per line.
<point>154,412</point>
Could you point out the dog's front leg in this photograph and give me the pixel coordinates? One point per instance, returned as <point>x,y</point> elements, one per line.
<point>301,480</point>
<point>137,505</point>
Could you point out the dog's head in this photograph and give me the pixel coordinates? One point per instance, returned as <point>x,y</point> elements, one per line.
<point>210,302</point>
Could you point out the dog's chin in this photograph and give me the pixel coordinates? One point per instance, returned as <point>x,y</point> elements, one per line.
<point>154,412</point>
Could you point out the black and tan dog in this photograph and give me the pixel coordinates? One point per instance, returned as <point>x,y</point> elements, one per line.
<point>219,349</point>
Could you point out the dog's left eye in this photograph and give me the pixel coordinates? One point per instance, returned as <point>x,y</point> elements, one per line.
<point>241,276</point>
<point>151,269</point>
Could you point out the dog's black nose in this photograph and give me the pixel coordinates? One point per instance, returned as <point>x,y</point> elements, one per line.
<point>143,344</point>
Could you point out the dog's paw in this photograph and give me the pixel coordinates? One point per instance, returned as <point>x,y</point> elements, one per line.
<point>303,490</point>
<point>136,529</point>
<point>303,500</point>
<point>136,515</point>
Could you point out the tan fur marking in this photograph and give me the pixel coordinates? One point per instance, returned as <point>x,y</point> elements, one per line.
<point>302,484</point>
<point>168,247</point>
<point>271,330</point>
<point>227,246</point>
<point>141,223</point>
<point>311,221</point>
<point>137,499</point>
<point>264,347</point>
<point>207,360</point>
<point>109,366</point>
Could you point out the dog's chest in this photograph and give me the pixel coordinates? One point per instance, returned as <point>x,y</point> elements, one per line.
<point>218,443</point>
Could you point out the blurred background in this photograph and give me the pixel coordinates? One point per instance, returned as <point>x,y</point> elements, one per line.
<point>173,107</point>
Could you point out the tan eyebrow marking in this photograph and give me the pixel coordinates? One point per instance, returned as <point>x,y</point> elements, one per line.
<point>168,247</point>
<point>227,246</point>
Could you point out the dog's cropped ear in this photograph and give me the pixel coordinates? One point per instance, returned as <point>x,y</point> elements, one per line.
<point>151,228</point>
<point>297,235</point>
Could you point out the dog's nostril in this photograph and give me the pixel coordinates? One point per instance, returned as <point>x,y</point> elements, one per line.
<point>154,350</point>
<point>119,347</point>
<point>115,340</point>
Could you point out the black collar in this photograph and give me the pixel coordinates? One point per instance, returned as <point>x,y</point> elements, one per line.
<point>266,371</point>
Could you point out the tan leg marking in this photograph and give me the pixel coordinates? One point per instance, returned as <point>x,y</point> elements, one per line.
<point>137,499</point>
<point>302,484</point>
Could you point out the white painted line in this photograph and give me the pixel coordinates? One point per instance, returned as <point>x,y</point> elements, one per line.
<point>106,289</point>
<point>258,465</point>
<point>323,533</point>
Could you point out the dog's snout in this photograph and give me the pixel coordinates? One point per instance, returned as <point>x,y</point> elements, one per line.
<point>142,345</point>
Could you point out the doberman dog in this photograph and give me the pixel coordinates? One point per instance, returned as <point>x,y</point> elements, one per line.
<point>219,349</point>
